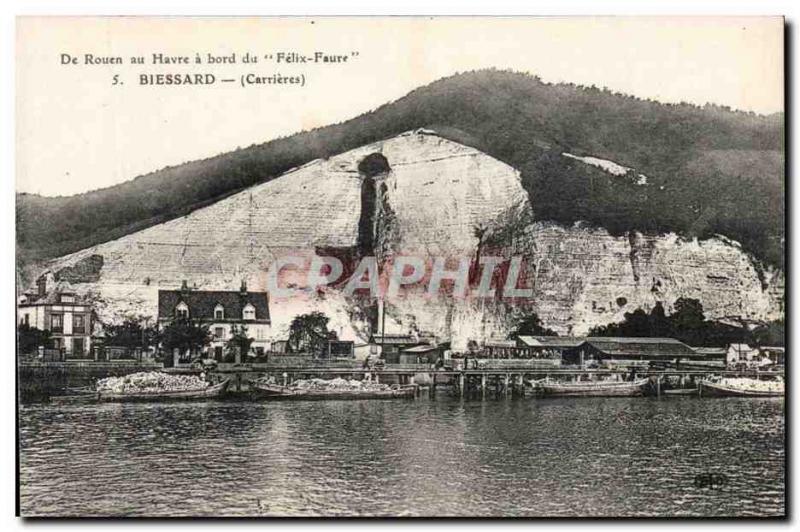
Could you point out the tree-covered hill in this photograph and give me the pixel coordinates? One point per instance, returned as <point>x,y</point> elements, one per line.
<point>710,170</point>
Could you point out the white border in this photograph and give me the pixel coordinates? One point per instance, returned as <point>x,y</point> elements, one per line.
<point>10,9</point>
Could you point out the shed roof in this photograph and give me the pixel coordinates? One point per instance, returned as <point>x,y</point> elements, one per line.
<point>499,342</point>
<point>710,351</point>
<point>629,346</point>
<point>552,341</point>
<point>420,349</point>
<point>395,339</point>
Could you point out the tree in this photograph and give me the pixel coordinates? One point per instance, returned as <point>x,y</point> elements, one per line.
<point>29,339</point>
<point>659,325</point>
<point>688,314</point>
<point>770,334</point>
<point>531,325</point>
<point>185,335</point>
<point>131,334</point>
<point>239,343</point>
<point>687,324</point>
<point>309,333</point>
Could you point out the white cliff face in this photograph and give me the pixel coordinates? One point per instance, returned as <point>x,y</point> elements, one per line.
<point>585,277</point>
<point>435,198</point>
<point>431,182</point>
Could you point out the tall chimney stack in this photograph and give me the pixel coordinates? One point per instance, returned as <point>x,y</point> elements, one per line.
<point>41,285</point>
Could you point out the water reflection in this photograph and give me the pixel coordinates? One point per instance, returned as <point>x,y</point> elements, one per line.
<point>600,457</point>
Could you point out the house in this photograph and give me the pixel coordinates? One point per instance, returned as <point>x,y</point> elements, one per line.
<point>744,355</point>
<point>501,348</point>
<point>776,355</point>
<point>389,346</point>
<point>741,354</point>
<point>222,312</point>
<point>61,311</point>
<point>629,350</point>
<point>341,349</point>
<point>423,354</point>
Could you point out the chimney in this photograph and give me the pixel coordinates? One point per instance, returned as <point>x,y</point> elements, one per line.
<point>184,286</point>
<point>243,288</point>
<point>41,285</point>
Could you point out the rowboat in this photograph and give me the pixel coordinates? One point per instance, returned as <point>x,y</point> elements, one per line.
<point>592,389</point>
<point>87,395</point>
<point>277,391</point>
<point>717,389</point>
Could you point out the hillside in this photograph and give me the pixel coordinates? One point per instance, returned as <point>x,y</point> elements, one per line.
<point>709,170</point>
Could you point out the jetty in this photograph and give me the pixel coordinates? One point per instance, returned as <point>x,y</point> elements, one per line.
<point>44,379</point>
<point>507,381</point>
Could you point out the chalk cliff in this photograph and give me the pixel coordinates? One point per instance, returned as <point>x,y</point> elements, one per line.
<point>424,195</point>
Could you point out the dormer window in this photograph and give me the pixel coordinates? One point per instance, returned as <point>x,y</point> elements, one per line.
<point>219,312</point>
<point>67,298</point>
<point>249,312</point>
<point>182,310</point>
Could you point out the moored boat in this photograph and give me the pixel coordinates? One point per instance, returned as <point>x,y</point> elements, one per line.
<point>728,389</point>
<point>277,391</point>
<point>592,389</point>
<point>88,395</point>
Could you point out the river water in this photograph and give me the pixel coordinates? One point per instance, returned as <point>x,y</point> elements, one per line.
<point>423,457</point>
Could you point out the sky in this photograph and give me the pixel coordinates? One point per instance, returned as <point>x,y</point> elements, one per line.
<point>76,130</point>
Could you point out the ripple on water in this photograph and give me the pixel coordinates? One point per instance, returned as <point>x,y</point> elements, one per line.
<point>561,457</point>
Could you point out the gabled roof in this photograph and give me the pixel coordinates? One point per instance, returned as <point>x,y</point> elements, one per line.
<point>53,296</point>
<point>552,341</point>
<point>202,303</point>
<point>631,346</point>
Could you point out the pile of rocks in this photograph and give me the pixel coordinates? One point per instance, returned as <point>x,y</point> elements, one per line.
<point>150,381</point>
<point>338,384</point>
<point>752,385</point>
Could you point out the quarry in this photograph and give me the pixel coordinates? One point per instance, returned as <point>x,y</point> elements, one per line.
<point>418,194</point>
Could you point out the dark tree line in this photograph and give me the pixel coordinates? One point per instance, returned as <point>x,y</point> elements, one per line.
<point>688,324</point>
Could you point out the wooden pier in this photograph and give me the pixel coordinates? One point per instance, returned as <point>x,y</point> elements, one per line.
<point>479,381</point>
<point>46,378</point>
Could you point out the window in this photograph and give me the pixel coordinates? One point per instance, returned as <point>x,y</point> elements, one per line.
<point>182,311</point>
<point>219,332</point>
<point>78,324</point>
<point>249,312</point>
<point>219,312</point>
<point>67,298</point>
<point>56,322</point>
